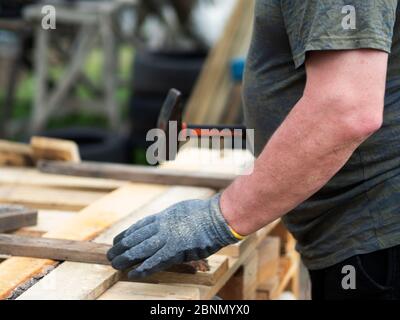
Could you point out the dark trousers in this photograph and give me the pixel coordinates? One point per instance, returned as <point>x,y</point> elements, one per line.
<point>373,276</point>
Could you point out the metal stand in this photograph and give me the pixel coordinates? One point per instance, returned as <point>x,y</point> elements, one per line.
<point>94,24</point>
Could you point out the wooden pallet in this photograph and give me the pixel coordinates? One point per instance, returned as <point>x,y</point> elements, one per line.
<point>83,209</point>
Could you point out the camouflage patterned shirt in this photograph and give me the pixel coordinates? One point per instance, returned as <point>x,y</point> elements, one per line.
<point>358,211</point>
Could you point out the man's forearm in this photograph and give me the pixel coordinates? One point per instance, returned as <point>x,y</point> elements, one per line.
<point>309,148</point>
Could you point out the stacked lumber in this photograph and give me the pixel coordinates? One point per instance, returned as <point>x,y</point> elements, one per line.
<point>21,155</point>
<point>118,205</point>
<point>211,101</point>
<point>28,187</point>
<point>266,273</point>
<point>15,154</point>
<point>102,277</point>
<point>142,174</point>
<point>85,225</point>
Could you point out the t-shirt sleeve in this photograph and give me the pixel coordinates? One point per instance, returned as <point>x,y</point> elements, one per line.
<point>338,25</point>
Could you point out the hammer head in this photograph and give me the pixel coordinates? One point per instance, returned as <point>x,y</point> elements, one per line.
<point>171,110</point>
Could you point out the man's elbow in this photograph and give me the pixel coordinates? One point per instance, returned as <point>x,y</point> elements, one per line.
<point>363,121</point>
<point>366,126</point>
<point>357,118</point>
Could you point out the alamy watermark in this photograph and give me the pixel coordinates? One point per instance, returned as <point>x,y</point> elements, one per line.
<point>49,20</point>
<point>349,20</point>
<point>349,280</point>
<point>214,146</point>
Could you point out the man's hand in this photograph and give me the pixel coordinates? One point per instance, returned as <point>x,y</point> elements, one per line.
<point>188,231</point>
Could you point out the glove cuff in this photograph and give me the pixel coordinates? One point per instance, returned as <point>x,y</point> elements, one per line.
<point>221,226</point>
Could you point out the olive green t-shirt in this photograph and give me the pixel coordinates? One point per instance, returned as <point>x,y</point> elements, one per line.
<point>358,211</point>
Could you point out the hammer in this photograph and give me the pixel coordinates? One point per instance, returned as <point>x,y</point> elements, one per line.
<point>172,111</point>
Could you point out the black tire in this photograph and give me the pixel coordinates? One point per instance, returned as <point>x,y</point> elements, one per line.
<point>155,73</point>
<point>95,144</point>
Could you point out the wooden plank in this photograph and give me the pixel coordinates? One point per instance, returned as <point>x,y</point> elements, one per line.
<point>288,242</point>
<point>54,149</point>
<point>193,159</point>
<point>86,281</point>
<point>243,285</point>
<point>32,177</point>
<point>267,230</point>
<point>47,220</point>
<point>208,292</point>
<point>147,291</point>
<point>15,217</point>
<point>141,174</point>
<point>294,284</point>
<point>267,290</point>
<point>237,249</point>
<point>212,91</point>
<point>69,250</point>
<point>48,198</point>
<point>288,268</point>
<point>54,249</point>
<point>219,265</point>
<point>268,258</point>
<point>90,222</point>
<point>15,154</point>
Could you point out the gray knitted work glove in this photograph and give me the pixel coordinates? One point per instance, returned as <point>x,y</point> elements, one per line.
<point>188,231</point>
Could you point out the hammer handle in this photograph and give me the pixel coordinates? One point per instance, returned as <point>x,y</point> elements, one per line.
<point>204,130</point>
